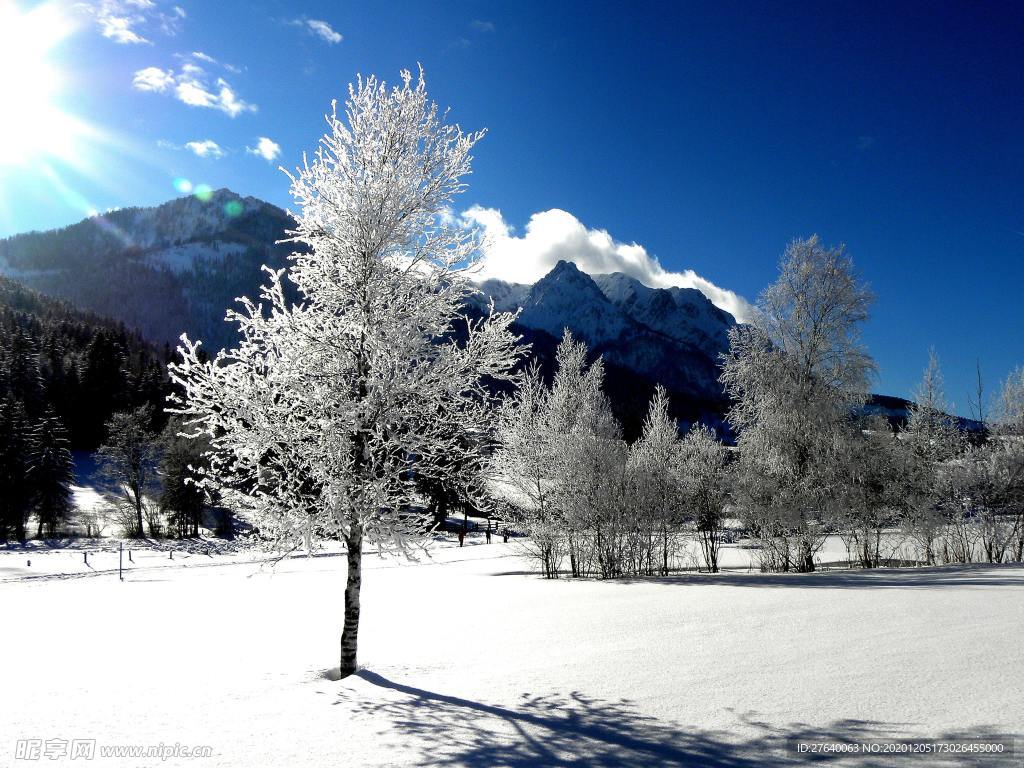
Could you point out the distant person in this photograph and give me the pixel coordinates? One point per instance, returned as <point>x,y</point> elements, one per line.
<point>462,536</point>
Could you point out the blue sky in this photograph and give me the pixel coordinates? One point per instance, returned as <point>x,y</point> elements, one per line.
<point>710,134</point>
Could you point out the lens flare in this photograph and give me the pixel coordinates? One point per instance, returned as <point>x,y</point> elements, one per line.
<point>184,186</point>
<point>203,193</point>
<point>233,208</point>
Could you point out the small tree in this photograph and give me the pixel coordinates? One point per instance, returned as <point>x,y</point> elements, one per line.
<point>590,459</point>
<point>182,466</point>
<point>326,410</point>
<point>876,491</point>
<point>933,440</point>
<point>795,376</point>
<point>526,470</point>
<point>989,479</point>
<point>655,462</point>
<point>706,479</point>
<point>127,459</point>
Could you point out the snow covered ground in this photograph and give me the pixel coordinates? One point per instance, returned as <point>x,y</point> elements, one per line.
<point>471,659</point>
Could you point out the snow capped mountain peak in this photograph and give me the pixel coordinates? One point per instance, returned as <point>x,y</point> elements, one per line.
<point>568,298</point>
<point>685,314</point>
<point>163,270</point>
<point>671,335</point>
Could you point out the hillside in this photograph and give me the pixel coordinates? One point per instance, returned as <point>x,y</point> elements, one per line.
<point>179,266</point>
<point>78,365</point>
<point>163,271</point>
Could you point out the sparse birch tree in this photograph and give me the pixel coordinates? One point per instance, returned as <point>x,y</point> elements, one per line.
<point>795,375</point>
<point>525,464</point>
<point>564,460</point>
<point>590,456</point>
<point>1009,429</point>
<point>326,410</point>
<point>989,478</point>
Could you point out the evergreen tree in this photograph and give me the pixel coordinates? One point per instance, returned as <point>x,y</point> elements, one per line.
<point>20,371</point>
<point>104,385</point>
<point>15,491</point>
<point>50,473</point>
<point>182,465</point>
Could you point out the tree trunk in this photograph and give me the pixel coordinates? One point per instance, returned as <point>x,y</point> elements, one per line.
<point>806,563</point>
<point>350,634</point>
<point>664,549</point>
<point>137,490</point>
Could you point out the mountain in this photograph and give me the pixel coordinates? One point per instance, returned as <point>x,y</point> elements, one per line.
<point>673,336</point>
<point>163,271</point>
<point>896,410</point>
<point>179,266</point>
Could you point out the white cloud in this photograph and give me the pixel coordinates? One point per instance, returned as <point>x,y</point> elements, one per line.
<point>228,102</point>
<point>123,20</point>
<point>320,29</point>
<point>204,57</point>
<point>205,148</point>
<point>119,29</point>
<point>191,86</point>
<point>153,79</point>
<point>480,25</point>
<point>194,94</point>
<point>265,148</point>
<point>555,235</point>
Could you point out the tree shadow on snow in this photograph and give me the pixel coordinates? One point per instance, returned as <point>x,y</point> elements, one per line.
<point>932,577</point>
<point>578,730</point>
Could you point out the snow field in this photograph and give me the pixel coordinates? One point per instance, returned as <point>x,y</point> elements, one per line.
<point>471,659</point>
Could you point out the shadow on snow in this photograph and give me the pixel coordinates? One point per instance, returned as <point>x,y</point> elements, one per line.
<point>932,577</point>
<point>577,730</point>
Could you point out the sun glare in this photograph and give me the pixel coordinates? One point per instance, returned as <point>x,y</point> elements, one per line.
<point>32,125</point>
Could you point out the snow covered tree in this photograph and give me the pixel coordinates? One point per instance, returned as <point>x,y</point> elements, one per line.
<point>933,439</point>
<point>987,482</point>
<point>1009,430</point>
<point>795,375</point>
<point>875,493</point>
<point>563,465</point>
<point>706,483</point>
<point>590,457</point>
<point>326,411</point>
<point>526,464</point>
<point>931,433</point>
<point>655,464</point>
<point>1009,419</point>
